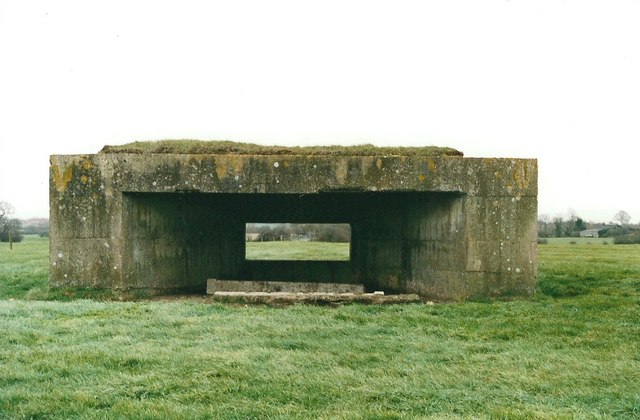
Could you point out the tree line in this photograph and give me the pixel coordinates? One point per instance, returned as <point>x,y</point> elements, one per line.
<point>557,227</point>
<point>317,232</point>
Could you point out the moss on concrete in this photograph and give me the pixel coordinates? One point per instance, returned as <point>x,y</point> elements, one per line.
<point>230,147</point>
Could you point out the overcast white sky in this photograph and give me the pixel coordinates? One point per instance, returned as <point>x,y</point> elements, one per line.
<point>554,80</point>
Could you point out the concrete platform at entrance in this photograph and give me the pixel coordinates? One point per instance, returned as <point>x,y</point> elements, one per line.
<point>244,286</point>
<point>317,298</point>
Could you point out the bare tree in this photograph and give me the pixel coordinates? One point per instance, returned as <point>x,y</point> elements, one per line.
<point>545,225</point>
<point>6,210</point>
<point>6,224</point>
<point>573,215</point>
<point>558,226</point>
<point>623,217</point>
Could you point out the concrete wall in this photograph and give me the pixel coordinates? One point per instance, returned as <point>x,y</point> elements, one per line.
<point>443,227</point>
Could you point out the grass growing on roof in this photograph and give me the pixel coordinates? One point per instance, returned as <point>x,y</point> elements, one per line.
<point>230,147</point>
<point>572,351</point>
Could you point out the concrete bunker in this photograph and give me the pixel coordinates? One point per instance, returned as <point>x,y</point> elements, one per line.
<point>164,220</point>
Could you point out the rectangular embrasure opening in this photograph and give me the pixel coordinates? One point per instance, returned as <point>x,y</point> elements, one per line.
<point>298,241</point>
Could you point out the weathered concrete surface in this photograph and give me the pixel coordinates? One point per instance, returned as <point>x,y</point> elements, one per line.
<point>216,285</point>
<point>444,227</point>
<point>286,298</point>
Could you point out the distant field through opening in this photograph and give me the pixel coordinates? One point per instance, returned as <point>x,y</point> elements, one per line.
<point>298,241</point>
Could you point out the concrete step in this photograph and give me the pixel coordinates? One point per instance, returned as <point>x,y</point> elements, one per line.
<point>285,298</point>
<point>250,286</point>
<point>282,292</point>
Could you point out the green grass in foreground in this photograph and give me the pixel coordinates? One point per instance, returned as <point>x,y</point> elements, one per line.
<point>298,250</point>
<point>572,351</point>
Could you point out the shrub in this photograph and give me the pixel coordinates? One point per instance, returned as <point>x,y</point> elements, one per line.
<point>630,238</point>
<point>543,241</point>
<point>11,231</point>
<point>613,232</point>
<point>15,236</point>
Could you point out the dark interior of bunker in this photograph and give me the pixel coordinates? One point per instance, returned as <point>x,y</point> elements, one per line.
<point>179,240</point>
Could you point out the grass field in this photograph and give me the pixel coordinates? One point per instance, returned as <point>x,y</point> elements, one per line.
<point>571,351</point>
<point>580,241</point>
<point>298,250</point>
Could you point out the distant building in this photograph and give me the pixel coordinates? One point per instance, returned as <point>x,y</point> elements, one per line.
<point>589,233</point>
